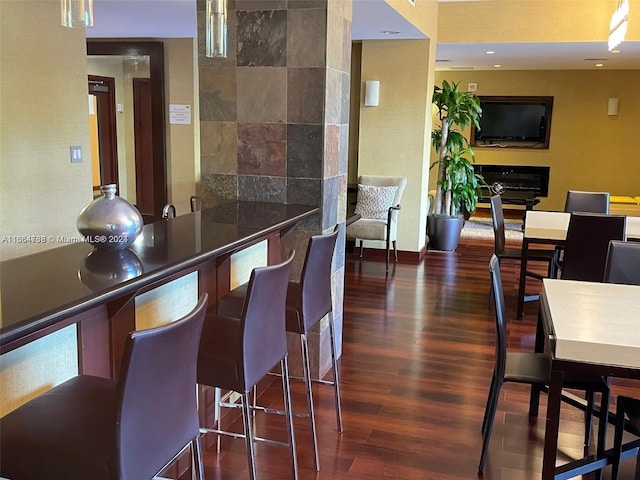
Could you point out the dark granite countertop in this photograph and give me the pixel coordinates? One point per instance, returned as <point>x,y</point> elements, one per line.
<point>41,289</point>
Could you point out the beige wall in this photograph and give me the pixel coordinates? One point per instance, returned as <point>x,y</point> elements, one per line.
<point>394,137</point>
<point>423,14</point>
<point>530,21</point>
<point>180,81</point>
<point>41,192</point>
<point>589,150</point>
<point>44,110</point>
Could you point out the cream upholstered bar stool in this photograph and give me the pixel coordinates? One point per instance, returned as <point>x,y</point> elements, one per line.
<point>378,203</point>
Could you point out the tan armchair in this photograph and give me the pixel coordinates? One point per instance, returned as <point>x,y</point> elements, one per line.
<point>378,204</point>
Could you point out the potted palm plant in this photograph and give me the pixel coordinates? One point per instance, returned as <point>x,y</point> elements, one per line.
<point>458,184</point>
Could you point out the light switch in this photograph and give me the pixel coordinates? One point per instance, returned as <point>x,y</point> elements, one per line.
<point>76,153</point>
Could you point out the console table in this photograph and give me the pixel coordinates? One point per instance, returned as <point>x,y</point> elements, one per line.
<point>514,197</point>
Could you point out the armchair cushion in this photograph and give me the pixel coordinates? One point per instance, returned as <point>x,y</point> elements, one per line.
<point>374,202</point>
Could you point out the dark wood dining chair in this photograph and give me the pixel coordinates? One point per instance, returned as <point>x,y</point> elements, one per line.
<point>130,429</point>
<point>623,266</point>
<point>586,202</point>
<point>532,369</point>
<point>623,263</point>
<point>629,407</point>
<point>513,253</point>
<point>236,352</point>
<point>587,244</point>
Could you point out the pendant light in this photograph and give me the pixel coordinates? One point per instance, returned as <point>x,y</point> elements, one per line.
<point>216,28</point>
<point>76,13</point>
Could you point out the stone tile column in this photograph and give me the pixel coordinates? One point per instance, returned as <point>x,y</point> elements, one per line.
<point>274,122</point>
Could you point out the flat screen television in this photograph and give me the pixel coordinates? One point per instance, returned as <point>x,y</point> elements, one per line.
<point>514,122</point>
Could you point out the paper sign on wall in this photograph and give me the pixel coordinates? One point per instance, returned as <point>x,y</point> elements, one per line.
<point>180,114</point>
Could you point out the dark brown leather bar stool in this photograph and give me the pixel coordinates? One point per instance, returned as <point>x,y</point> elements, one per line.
<point>236,352</point>
<point>95,428</point>
<point>308,302</point>
<point>532,369</point>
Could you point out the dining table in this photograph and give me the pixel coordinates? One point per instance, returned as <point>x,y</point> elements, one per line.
<point>550,228</point>
<point>588,328</point>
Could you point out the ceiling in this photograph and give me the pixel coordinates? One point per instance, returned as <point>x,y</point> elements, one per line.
<point>372,19</point>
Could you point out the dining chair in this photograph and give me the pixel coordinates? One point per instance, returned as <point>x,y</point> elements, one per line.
<point>532,369</point>
<point>308,302</point>
<point>587,202</point>
<point>587,243</point>
<point>130,429</point>
<point>512,253</point>
<point>378,203</point>
<point>623,263</point>
<point>631,408</point>
<point>236,352</point>
<point>623,266</point>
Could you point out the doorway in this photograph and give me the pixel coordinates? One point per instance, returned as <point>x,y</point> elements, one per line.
<point>152,174</point>
<point>106,163</point>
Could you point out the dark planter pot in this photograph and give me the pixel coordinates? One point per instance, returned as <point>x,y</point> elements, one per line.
<point>444,231</point>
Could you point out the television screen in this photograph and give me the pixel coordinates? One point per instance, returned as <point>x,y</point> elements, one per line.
<point>514,119</point>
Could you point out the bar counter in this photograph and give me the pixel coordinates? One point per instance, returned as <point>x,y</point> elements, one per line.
<point>45,291</point>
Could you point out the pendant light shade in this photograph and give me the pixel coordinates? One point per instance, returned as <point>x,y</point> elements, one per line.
<point>216,28</point>
<point>76,13</point>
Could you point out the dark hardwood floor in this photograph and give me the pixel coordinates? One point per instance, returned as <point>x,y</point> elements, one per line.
<point>418,352</point>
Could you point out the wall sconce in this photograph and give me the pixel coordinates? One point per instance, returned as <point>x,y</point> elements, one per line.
<point>76,13</point>
<point>612,108</point>
<point>372,93</point>
<point>216,29</point>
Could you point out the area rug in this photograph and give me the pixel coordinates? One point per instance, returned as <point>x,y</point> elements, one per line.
<point>482,228</point>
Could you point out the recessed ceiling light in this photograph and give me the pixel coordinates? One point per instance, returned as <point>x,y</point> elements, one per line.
<point>599,65</point>
<point>489,52</point>
<point>497,65</point>
<point>390,32</point>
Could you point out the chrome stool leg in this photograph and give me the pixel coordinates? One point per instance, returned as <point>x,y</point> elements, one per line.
<point>248,434</point>
<point>284,365</point>
<point>336,377</point>
<point>307,381</point>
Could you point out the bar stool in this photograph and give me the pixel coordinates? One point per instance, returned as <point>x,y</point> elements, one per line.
<point>308,302</point>
<point>236,352</point>
<point>130,429</point>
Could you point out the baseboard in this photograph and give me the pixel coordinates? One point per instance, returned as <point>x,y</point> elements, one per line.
<point>407,257</point>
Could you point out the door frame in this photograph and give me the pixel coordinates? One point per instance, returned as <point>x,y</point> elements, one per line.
<point>155,52</point>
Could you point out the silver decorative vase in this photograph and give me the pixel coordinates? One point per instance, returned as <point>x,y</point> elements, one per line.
<point>109,222</point>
